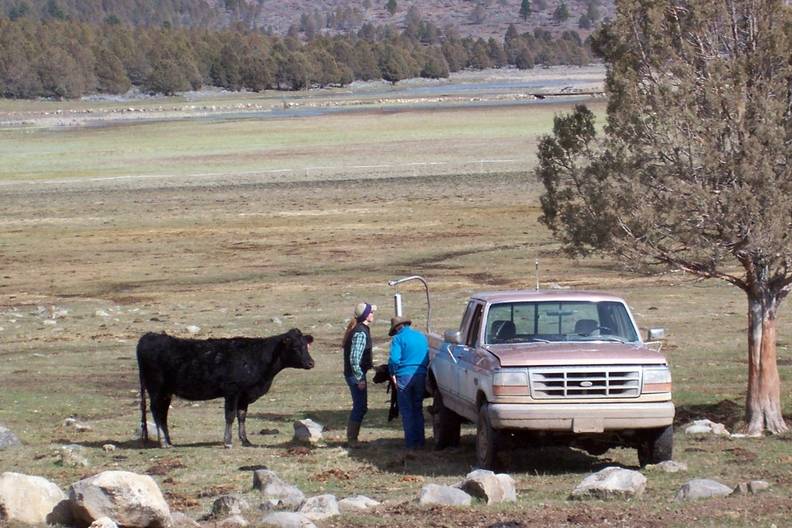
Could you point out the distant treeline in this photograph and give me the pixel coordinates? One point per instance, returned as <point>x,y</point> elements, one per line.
<point>65,58</point>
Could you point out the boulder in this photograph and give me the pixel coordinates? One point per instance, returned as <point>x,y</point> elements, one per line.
<point>320,507</point>
<point>286,520</point>
<point>31,500</point>
<point>8,438</point>
<point>357,503</point>
<point>702,489</point>
<point>609,483</point>
<point>444,496</point>
<point>130,499</point>
<point>488,486</point>
<point>307,431</point>
<point>705,428</point>
<point>668,466</point>
<point>276,492</point>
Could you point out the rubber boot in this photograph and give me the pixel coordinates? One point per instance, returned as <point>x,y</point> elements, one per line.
<point>353,430</point>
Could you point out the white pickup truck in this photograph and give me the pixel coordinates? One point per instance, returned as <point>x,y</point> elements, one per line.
<point>547,367</point>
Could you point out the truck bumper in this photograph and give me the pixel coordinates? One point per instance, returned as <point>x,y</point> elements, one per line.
<point>581,418</point>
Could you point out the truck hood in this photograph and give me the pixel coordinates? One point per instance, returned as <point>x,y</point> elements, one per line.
<point>594,353</point>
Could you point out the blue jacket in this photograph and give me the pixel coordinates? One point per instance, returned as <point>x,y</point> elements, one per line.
<point>409,353</point>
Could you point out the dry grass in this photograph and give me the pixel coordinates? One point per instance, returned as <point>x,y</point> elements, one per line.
<point>87,267</point>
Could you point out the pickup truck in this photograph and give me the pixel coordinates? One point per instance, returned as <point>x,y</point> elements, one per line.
<point>550,366</point>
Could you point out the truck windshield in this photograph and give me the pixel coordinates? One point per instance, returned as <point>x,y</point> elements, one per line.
<point>551,321</point>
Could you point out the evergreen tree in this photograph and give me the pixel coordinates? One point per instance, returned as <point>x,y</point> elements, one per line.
<point>525,9</point>
<point>561,13</point>
<point>391,6</point>
<point>689,175</point>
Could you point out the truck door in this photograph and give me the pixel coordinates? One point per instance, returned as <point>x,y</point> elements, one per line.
<point>468,357</point>
<point>445,367</point>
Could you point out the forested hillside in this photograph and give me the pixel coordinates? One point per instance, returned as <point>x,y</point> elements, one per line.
<point>71,48</point>
<point>475,18</point>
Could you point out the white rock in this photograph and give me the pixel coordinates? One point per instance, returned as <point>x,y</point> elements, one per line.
<point>229,505</point>
<point>235,521</point>
<point>104,522</point>
<point>130,499</point>
<point>101,313</point>
<point>8,438</point>
<point>357,503</point>
<point>751,488</point>
<point>706,427</point>
<point>193,329</point>
<point>444,495</point>
<point>668,466</point>
<point>109,448</point>
<point>307,431</point>
<point>320,507</point>
<point>702,489</point>
<point>31,500</point>
<point>611,482</point>
<point>72,455</point>
<point>488,486</point>
<point>180,520</point>
<point>286,520</point>
<point>276,492</point>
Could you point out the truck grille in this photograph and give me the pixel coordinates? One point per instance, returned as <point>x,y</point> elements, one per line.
<point>585,382</point>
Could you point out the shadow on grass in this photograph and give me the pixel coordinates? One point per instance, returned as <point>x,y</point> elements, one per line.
<point>726,412</point>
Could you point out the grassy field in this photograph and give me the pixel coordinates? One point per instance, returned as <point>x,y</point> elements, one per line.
<point>197,232</point>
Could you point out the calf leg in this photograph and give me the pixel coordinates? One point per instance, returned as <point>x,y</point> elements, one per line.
<point>241,415</point>
<point>230,412</point>
<point>159,409</point>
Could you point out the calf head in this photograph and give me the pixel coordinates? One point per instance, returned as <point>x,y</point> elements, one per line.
<point>295,349</point>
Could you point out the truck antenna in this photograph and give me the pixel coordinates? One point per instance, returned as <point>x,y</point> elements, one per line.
<point>537,273</point>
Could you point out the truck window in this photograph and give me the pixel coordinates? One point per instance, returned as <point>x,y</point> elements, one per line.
<point>559,321</point>
<point>475,325</point>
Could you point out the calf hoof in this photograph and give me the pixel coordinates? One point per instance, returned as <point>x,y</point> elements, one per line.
<point>228,446</point>
<point>246,443</point>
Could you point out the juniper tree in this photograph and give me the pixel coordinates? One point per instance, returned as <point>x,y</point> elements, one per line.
<point>694,168</point>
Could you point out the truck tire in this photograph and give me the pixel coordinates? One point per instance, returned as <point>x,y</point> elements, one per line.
<point>446,424</point>
<point>488,441</point>
<point>657,445</point>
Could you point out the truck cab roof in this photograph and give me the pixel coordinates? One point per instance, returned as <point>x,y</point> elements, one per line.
<point>544,295</point>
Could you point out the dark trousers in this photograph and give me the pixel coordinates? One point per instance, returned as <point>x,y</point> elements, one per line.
<point>410,396</point>
<point>359,400</point>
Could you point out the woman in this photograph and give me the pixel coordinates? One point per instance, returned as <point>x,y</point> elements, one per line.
<point>357,361</point>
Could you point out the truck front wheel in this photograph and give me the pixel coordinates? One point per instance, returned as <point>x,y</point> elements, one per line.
<point>446,424</point>
<point>488,441</point>
<point>656,445</point>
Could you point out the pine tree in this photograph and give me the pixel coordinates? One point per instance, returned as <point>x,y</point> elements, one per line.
<point>525,9</point>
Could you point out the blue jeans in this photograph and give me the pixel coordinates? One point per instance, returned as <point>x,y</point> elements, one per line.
<point>410,397</point>
<point>359,400</point>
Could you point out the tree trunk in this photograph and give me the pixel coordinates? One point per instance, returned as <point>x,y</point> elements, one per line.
<point>763,401</point>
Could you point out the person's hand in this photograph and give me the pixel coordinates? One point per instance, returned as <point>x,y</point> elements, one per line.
<point>362,384</point>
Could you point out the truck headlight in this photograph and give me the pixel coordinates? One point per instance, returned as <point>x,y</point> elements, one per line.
<point>505,383</point>
<point>656,379</point>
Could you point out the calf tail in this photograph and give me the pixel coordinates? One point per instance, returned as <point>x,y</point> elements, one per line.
<point>143,421</point>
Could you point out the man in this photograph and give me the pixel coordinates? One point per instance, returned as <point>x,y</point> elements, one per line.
<point>409,356</point>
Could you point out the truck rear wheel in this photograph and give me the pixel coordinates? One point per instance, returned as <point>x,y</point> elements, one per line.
<point>488,441</point>
<point>446,424</point>
<point>657,445</point>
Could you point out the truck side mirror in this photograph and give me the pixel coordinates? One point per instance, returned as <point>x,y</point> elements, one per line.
<point>453,336</point>
<point>656,334</point>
